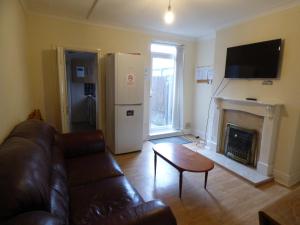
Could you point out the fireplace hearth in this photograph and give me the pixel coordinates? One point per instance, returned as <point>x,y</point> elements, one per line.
<point>240,144</point>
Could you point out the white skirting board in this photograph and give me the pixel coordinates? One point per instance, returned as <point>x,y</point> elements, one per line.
<point>286,179</point>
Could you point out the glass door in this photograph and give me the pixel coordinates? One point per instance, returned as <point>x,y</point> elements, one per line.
<point>162,91</point>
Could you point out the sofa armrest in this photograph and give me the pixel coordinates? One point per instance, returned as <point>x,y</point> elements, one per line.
<point>149,213</point>
<point>34,218</point>
<point>81,143</point>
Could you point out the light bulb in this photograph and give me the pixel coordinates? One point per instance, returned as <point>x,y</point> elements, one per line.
<point>169,17</point>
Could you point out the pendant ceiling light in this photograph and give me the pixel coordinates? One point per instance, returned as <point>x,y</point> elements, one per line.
<point>169,15</point>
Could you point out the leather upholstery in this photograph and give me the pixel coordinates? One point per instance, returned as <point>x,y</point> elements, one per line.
<point>37,132</point>
<point>24,177</point>
<point>140,215</point>
<point>101,199</point>
<point>59,192</point>
<point>91,168</point>
<point>82,143</point>
<point>34,218</point>
<point>53,179</point>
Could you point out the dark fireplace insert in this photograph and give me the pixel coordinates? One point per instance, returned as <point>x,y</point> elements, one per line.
<point>240,144</point>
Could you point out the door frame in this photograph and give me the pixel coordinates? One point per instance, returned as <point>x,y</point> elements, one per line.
<point>63,89</point>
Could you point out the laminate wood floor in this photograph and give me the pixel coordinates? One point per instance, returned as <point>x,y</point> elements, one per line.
<point>228,200</point>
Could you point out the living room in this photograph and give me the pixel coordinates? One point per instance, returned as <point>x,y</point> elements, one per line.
<point>32,31</point>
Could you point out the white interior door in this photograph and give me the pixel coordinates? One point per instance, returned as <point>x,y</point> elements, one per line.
<point>63,91</point>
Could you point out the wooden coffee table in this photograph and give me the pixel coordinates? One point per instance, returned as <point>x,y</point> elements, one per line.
<point>182,159</point>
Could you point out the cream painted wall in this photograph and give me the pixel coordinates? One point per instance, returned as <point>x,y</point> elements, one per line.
<point>15,97</point>
<point>202,91</point>
<point>45,33</point>
<point>285,25</point>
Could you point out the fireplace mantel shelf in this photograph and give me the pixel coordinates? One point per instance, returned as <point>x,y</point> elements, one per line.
<point>245,101</point>
<point>262,108</point>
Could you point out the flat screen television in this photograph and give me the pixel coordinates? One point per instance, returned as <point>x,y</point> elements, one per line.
<point>257,61</point>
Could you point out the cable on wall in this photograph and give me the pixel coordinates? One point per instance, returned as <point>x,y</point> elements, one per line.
<point>91,10</point>
<point>216,92</point>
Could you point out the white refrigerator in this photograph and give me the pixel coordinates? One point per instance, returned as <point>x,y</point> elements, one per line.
<point>124,102</point>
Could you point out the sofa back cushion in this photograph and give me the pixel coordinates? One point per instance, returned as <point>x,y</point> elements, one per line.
<point>36,131</point>
<point>24,177</point>
<point>81,143</point>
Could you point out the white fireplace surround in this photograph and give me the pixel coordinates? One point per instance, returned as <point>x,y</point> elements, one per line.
<point>270,111</point>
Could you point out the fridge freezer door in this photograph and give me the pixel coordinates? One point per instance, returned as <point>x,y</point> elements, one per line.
<point>129,80</point>
<point>128,128</point>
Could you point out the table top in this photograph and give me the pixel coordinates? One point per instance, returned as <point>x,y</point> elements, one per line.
<point>285,210</point>
<point>182,158</point>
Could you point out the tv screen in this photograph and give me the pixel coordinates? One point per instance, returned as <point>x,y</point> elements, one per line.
<point>258,60</point>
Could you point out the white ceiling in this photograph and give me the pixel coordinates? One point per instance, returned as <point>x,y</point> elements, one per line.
<point>193,18</point>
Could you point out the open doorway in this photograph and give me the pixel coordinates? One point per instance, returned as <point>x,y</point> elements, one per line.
<point>81,70</point>
<point>79,90</point>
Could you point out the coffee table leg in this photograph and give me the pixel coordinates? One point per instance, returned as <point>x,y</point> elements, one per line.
<point>180,183</point>
<point>205,181</point>
<point>155,162</point>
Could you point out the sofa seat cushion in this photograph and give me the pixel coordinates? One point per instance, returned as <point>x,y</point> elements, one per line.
<point>91,168</point>
<point>93,201</point>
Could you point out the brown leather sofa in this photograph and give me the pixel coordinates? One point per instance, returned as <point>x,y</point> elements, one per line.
<point>52,179</point>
